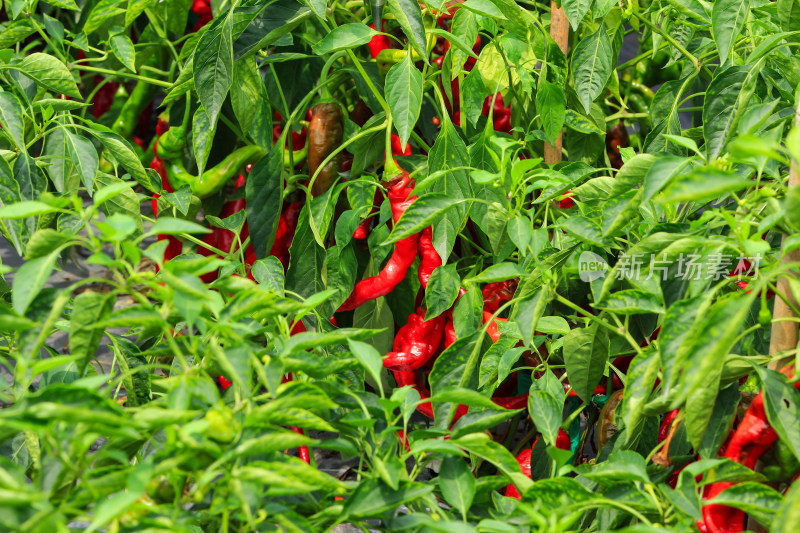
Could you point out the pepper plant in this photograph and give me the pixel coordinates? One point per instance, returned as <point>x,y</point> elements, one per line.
<point>510,282</point>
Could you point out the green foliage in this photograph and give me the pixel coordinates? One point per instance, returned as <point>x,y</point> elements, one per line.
<point>179,389</point>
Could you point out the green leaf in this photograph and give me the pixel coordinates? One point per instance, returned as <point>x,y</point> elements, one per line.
<point>631,302</point>
<point>346,36</point>
<point>373,497</point>
<point>88,310</point>
<point>592,65</point>
<point>102,12</point>
<point>83,156</point>
<point>11,118</point>
<point>25,209</point>
<point>442,290</point>
<point>29,280</point>
<point>703,185</point>
<point>115,196</point>
<point>409,15</point>
<point>727,20</point>
<point>212,64</point>
<point>641,377</point>
<point>45,241</point>
<point>585,355</point>
<point>551,103</point>
<point>124,154</point>
<point>788,514</point>
<point>404,96</point>
<point>545,412</point>
<point>136,8</point>
<point>552,325</point>
<point>575,11</point>
<point>528,312</point>
<point>64,4</point>
<point>789,15</point>
<point>246,92</point>
<point>498,272</point>
<point>586,230</point>
<point>725,100</point>
<point>369,358</point>
<point>203,131</point>
<point>180,199</point>
<point>581,123</point>
<point>122,48</point>
<point>623,465</point>
<point>176,226</point>
<point>49,72</point>
<point>449,153</point>
<point>264,195</point>
<point>457,483</point>
<point>426,210</point>
<point>455,368</point>
<point>661,173</point>
<point>268,273</point>
<point>714,337</point>
<point>306,256</point>
<point>57,154</point>
<point>269,25</point>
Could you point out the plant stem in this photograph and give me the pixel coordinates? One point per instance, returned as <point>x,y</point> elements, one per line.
<point>669,39</point>
<point>123,74</point>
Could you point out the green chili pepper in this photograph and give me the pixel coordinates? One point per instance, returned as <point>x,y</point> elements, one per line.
<point>391,56</point>
<point>213,179</point>
<point>140,97</point>
<point>171,142</point>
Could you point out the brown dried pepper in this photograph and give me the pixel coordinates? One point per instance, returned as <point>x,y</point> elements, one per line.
<point>325,134</point>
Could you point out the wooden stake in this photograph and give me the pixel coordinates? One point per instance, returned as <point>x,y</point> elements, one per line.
<point>559,31</point>
<point>785,333</point>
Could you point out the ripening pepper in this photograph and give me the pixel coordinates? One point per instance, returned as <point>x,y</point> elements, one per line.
<point>325,135</point>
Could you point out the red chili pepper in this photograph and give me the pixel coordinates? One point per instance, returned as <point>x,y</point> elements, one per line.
<point>567,202</point>
<point>362,231</point>
<point>749,442</point>
<point>302,451</point>
<point>449,329</point>
<point>378,43</point>
<point>500,113</point>
<point>403,256</point>
<point>397,148</point>
<point>104,96</point>
<point>663,430</point>
<point>496,293</point>
<point>492,330</point>
<point>416,342</point>
<point>202,8</point>
<point>524,460</point>
<point>175,246</point>
<point>285,233</point>
<point>429,258</point>
<point>741,269</point>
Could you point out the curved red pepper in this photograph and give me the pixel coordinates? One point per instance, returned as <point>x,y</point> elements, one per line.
<point>749,442</point>
<point>416,342</point>
<point>429,259</point>
<point>403,256</point>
